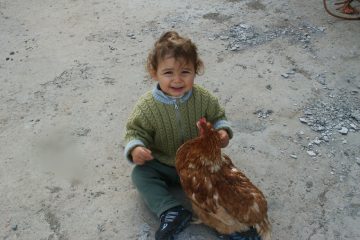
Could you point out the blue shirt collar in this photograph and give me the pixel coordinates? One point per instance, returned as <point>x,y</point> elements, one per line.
<point>162,97</point>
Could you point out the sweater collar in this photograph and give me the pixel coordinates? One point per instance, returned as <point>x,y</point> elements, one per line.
<point>162,97</point>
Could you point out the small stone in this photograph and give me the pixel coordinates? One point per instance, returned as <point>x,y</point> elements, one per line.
<point>317,141</point>
<point>291,72</point>
<point>268,87</point>
<point>14,227</point>
<point>358,161</point>
<point>301,133</point>
<point>343,130</point>
<point>244,26</point>
<point>353,126</point>
<point>308,112</point>
<point>12,53</point>
<point>325,138</point>
<point>356,114</point>
<point>344,141</point>
<point>309,184</point>
<point>311,153</point>
<point>293,156</point>
<point>320,128</point>
<point>224,37</point>
<point>285,75</point>
<point>101,227</point>
<point>303,120</point>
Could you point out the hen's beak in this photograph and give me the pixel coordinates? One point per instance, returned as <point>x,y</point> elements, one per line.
<point>202,121</point>
<point>200,124</point>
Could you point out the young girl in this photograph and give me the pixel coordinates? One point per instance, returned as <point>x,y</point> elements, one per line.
<point>165,118</point>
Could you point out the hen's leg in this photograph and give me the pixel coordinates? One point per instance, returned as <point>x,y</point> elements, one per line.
<point>196,220</point>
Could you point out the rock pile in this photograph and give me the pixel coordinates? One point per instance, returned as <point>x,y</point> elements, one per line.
<point>337,114</point>
<point>240,36</point>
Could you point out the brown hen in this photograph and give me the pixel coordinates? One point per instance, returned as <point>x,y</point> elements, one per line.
<point>221,195</point>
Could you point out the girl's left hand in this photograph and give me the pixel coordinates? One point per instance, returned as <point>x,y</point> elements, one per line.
<point>224,137</point>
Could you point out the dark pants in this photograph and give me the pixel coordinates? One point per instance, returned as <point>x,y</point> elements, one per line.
<point>152,180</point>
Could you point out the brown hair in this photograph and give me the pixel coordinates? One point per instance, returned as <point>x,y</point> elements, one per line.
<point>173,45</point>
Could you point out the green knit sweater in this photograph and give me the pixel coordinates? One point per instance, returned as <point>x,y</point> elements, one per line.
<point>162,123</point>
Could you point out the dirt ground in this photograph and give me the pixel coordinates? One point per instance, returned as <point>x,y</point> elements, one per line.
<point>70,72</point>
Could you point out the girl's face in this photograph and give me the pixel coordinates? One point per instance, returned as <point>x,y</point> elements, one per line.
<point>175,77</point>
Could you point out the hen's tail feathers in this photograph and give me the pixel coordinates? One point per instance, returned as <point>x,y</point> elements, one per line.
<point>264,229</point>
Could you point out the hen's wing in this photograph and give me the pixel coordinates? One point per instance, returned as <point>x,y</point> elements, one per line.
<point>194,176</point>
<point>227,192</point>
<point>239,196</point>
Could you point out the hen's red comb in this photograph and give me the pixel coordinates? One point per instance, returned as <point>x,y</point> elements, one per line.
<point>202,120</point>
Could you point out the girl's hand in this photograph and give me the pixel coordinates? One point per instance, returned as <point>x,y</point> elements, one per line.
<point>224,137</point>
<point>140,155</point>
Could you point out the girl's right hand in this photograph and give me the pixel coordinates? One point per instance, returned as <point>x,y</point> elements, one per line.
<point>140,155</point>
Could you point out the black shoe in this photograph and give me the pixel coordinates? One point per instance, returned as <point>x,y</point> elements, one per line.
<point>172,221</point>
<point>250,234</point>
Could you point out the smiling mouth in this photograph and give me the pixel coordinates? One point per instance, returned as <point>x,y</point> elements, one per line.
<point>177,88</point>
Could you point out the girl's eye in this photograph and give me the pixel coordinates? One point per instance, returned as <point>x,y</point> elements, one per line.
<point>185,71</point>
<point>167,73</point>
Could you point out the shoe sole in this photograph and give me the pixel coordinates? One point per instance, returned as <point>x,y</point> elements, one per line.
<point>183,225</point>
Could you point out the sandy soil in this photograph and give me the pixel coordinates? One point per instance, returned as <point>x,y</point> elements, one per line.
<point>70,72</point>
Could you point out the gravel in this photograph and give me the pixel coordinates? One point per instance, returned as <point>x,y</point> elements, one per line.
<point>241,35</point>
<point>339,112</point>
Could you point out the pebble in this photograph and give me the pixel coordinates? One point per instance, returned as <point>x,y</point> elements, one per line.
<point>343,130</point>
<point>285,75</point>
<point>356,114</point>
<point>262,113</point>
<point>309,184</point>
<point>293,156</point>
<point>244,26</point>
<point>303,120</point>
<point>320,128</point>
<point>358,161</point>
<point>14,227</point>
<point>224,37</point>
<point>311,153</point>
<point>291,72</point>
<point>131,35</point>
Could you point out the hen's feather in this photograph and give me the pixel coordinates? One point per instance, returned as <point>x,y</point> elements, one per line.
<point>221,195</point>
